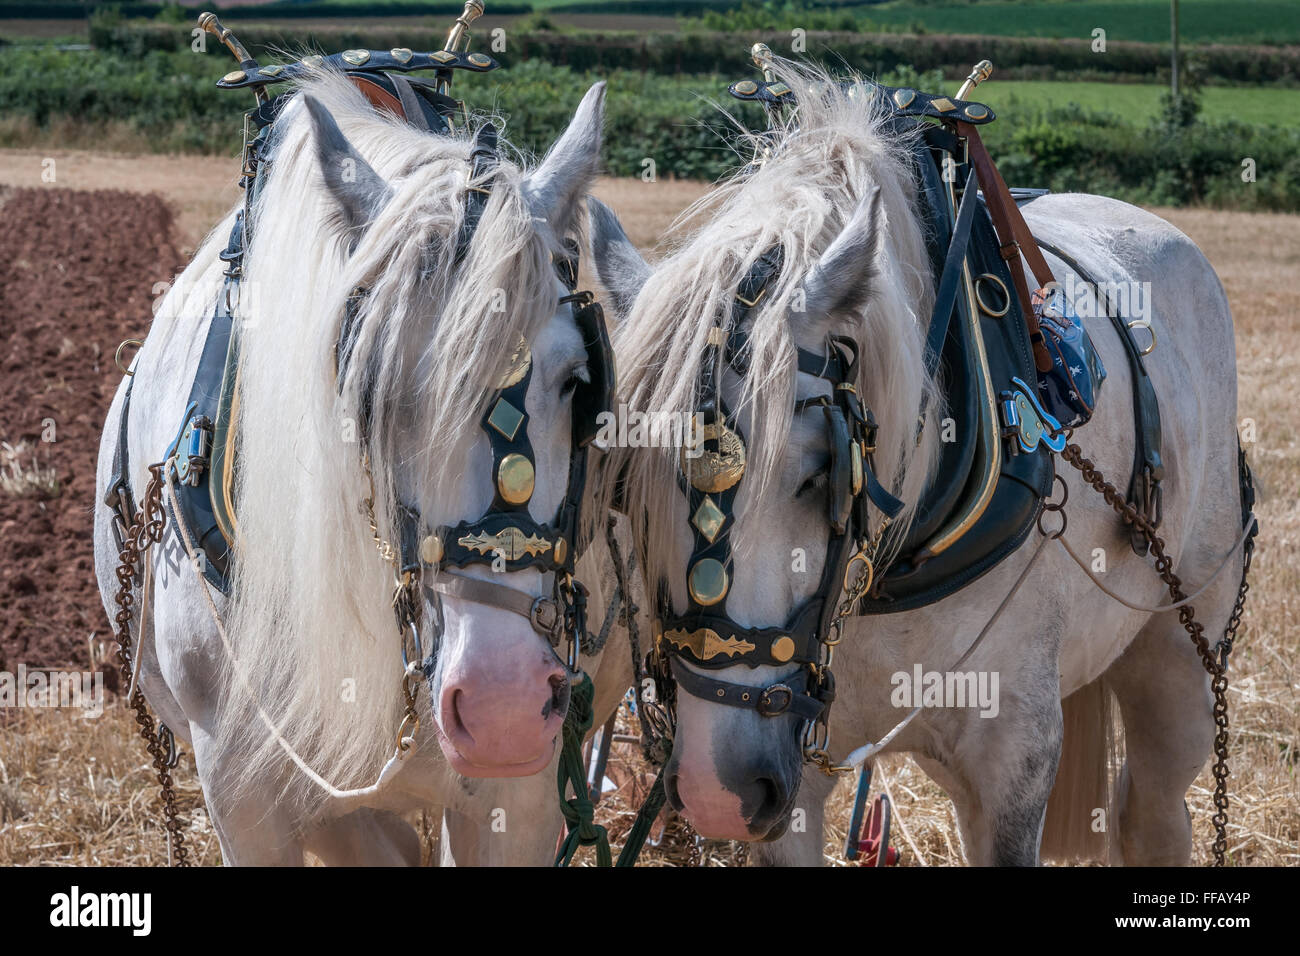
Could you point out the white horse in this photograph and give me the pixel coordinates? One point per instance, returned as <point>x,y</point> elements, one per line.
<point>292,703</point>
<point>836,192</point>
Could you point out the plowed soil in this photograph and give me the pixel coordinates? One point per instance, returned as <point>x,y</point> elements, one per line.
<point>77,272</point>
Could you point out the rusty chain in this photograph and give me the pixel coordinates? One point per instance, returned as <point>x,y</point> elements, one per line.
<point>144,533</point>
<point>1215,666</point>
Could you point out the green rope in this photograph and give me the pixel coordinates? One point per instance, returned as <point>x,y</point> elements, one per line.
<point>578,812</point>
<point>645,819</point>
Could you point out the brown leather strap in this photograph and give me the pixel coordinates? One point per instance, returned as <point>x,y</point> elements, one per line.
<point>1013,235</point>
<point>542,612</point>
<point>378,96</point>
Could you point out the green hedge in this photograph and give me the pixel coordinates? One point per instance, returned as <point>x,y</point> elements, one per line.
<point>728,53</point>
<point>170,100</point>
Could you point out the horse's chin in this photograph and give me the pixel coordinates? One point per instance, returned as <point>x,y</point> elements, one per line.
<point>476,766</point>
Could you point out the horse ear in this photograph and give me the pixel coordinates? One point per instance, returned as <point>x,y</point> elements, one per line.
<point>359,191</point>
<point>843,278</point>
<point>619,266</point>
<point>567,172</point>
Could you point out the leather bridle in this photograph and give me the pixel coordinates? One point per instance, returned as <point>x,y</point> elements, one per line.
<point>706,635</point>
<point>506,537</point>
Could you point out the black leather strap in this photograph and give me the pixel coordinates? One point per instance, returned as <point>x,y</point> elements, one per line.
<point>782,697</point>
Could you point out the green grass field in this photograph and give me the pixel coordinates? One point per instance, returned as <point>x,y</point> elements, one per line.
<point>1135,103</point>
<point>1200,21</point>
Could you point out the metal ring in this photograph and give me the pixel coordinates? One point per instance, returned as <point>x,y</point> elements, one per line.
<point>1006,295</point>
<point>413,720</point>
<point>1144,324</point>
<point>117,356</point>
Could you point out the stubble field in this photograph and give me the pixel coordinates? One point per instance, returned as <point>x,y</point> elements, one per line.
<point>77,791</point>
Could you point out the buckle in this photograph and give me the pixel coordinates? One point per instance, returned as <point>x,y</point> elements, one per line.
<point>775,700</point>
<point>546,618</point>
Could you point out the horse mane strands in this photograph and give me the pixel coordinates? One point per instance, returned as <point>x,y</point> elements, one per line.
<point>310,617</point>
<point>832,152</point>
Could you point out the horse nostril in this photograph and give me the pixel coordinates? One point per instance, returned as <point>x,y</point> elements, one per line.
<point>559,701</point>
<point>771,798</point>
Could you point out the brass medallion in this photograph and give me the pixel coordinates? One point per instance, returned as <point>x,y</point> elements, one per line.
<point>746,87</point>
<point>707,644</point>
<point>975,111</point>
<point>515,478</point>
<point>943,104</point>
<point>715,471</point>
<point>479,59</point>
<point>708,581</point>
<point>521,360</point>
<point>313,61</point>
<point>356,57</point>
<point>401,54</point>
<point>782,649</point>
<point>442,56</point>
<point>431,549</point>
<point>235,76</point>
<point>903,98</point>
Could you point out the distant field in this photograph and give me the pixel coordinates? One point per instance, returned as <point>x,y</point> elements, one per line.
<point>1135,103</point>
<point>1200,21</point>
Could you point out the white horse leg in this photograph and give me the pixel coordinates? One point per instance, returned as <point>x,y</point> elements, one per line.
<point>1168,733</point>
<point>803,841</point>
<point>1001,774</point>
<point>253,828</point>
<point>366,837</point>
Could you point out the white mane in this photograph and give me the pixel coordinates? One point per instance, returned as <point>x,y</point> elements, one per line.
<point>830,155</point>
<point>311,621</point>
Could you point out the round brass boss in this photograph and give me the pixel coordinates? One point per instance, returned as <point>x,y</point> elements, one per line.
<point>561,549</point>
<point>782,649</point>
<point>708,582</point>
<point>515,478</point>
<point>431,549</point>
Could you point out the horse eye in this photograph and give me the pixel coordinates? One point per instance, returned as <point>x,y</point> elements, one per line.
<point>579,376</point>
<point>819,480</point>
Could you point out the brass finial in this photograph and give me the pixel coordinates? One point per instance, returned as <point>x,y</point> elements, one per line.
<point>209,23</point>
<point>983,70</point>
<point>458,38</point>
<point>761,54</point>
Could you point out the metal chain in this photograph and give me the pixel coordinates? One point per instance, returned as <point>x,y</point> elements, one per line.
<point>816,733</point>
<point>1215,666</point>
<point>144,533</point>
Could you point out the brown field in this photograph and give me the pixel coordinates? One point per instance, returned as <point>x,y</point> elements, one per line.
<point>76,791</point>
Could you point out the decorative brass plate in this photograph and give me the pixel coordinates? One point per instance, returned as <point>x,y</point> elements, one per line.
<point>903,98</point>
<point>401,54</point>
<point>746,87</point>
<point>356,57</point>
<point>708,518</point>
<point>715,471</point>
<point>511,542</point>
<point>707,644</point>
<point>442,56</point>
<point>505,418</point>
<point>234,76</point>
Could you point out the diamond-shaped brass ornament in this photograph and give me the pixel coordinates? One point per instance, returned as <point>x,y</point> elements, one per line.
<point>505,418</point>
<point>708,518</point>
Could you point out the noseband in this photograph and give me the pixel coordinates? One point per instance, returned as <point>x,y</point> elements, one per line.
<point>506,537</point>
<point>706,635</point>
